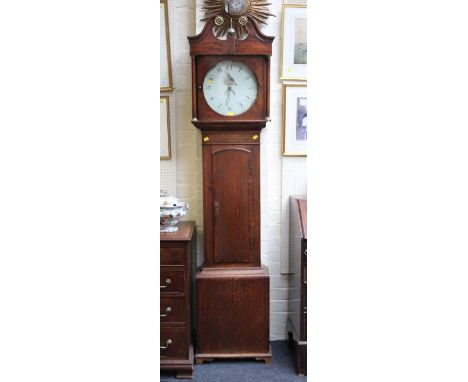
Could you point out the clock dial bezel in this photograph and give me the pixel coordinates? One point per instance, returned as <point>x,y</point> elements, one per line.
<point>256,112</point>
<point>234,63</point>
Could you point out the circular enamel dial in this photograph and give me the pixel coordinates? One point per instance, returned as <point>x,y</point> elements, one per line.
<point>230,88</point>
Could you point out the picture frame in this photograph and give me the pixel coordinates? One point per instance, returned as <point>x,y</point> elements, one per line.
<point>294,120</point>
<point>164,129</point>
<point>294,56</point>
<point>165,67</point>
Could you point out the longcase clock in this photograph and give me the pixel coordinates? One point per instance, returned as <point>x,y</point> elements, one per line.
<point>230,97</point>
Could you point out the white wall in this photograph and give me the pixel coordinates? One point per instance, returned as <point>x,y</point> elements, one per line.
<point>184,21</point>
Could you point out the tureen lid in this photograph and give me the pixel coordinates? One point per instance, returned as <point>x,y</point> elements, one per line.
<point>169,201</point>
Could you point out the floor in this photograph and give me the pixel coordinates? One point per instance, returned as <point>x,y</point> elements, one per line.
<point>281,369</point>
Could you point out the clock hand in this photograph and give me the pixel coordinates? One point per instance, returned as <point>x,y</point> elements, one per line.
<point>228,94</point>
<point>231,79</point>
<point>228,80</point>
<point>229,90</point>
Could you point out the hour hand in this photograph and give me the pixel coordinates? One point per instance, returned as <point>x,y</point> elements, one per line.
<point>229,80</point>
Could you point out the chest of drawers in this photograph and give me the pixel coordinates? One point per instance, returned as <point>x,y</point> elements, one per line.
<point>176,271</point>
<point>297,320</point>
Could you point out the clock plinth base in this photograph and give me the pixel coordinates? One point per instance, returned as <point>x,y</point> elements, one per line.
<point>265,357</point>
<point>233,314</point>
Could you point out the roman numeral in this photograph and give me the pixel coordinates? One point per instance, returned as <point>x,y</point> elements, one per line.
<point>219,69</point>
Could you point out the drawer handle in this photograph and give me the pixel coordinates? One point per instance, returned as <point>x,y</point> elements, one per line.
<point>168,281</point>
<point>168,310</point>
<point>168,342</point>
<point>305,252</point>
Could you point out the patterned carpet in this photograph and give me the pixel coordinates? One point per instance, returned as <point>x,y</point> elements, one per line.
<point>281,369</point>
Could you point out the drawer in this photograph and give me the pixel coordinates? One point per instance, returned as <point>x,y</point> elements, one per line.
<point>172,256</point>
<point>172,309</point>
<point>173,342</point>
<point>172,281</point>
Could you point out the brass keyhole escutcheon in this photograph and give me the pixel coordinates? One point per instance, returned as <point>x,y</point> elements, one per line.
<point>255,137</point>
<point>206,139</point>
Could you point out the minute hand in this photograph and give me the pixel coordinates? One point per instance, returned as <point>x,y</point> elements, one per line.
<point>229,91</point>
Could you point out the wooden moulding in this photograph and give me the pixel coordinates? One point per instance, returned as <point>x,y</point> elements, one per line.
<point>249,137</point>
<point>265,357</point>
<point>256,43</point>
<point>234,125</point>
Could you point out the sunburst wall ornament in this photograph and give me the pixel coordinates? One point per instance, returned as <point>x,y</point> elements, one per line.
<point>232,16</point>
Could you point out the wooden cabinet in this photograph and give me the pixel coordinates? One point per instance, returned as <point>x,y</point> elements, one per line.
<point>176,271</point>
<point>297,320</point>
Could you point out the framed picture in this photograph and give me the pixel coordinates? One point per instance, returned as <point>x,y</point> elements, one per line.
<point>294,120</point>
<point>164,129</point>
<point>165,71</point>
<point>294,43</point>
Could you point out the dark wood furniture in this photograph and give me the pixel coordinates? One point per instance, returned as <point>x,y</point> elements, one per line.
<point>297,320</point>
<point>232,285</point>
<point>177,265</point>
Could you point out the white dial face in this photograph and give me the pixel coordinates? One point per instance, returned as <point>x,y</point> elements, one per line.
<point>230,88</point>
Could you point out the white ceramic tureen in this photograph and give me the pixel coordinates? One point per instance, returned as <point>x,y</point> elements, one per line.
<point>172,211</point>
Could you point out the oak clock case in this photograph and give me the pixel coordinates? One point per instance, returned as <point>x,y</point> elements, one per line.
<point>232,298</point>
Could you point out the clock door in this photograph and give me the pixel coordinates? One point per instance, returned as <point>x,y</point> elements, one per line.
<point>232,205</point>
